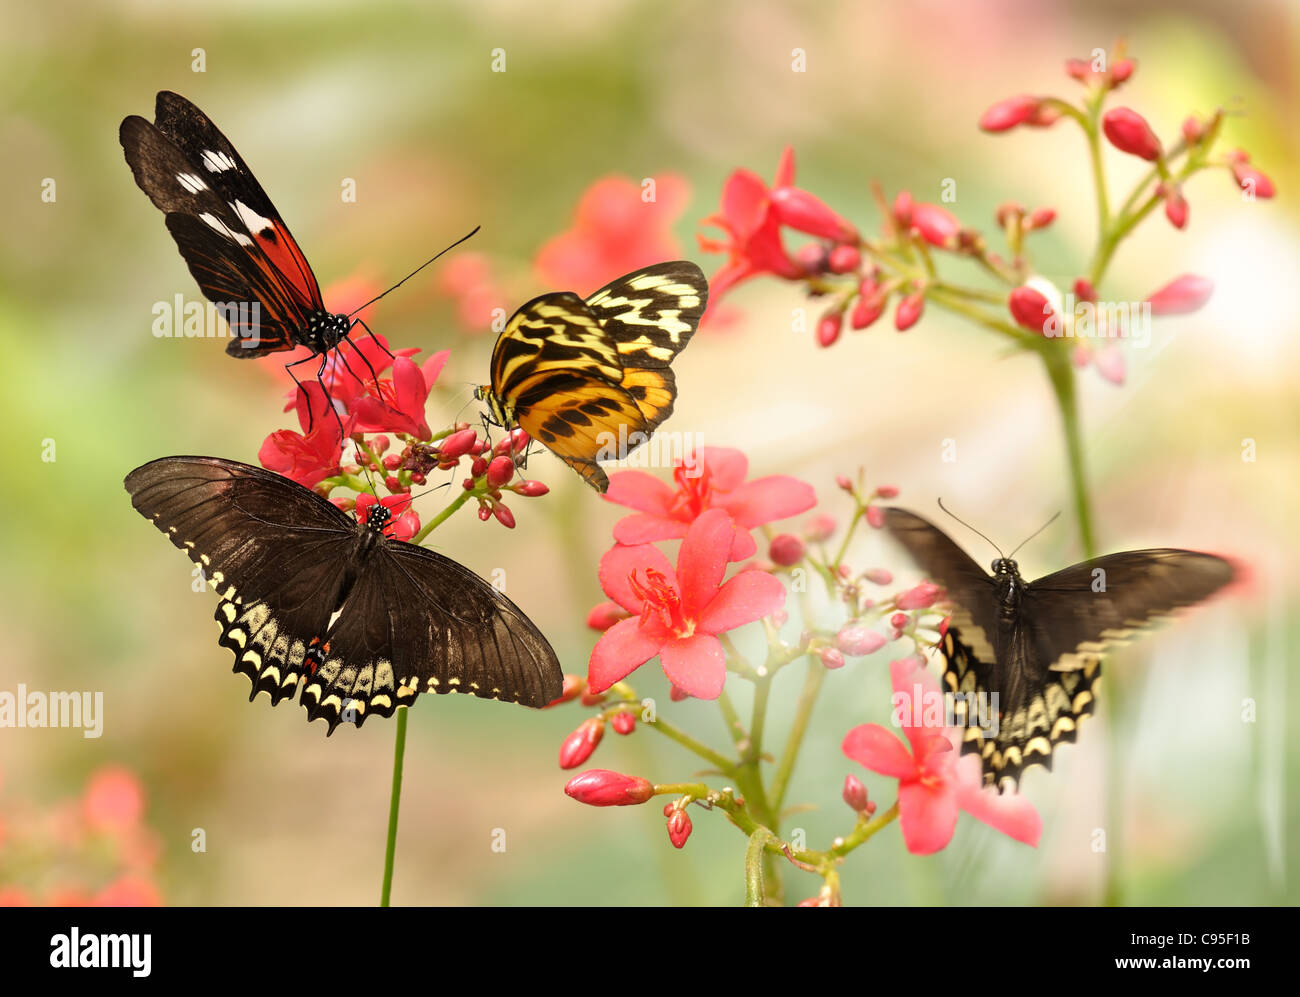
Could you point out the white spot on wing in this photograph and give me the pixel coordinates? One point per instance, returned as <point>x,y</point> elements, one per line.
<point>192,183</point>
<point>217,162</point>
<point>215,223</point>
<point>255,222</point>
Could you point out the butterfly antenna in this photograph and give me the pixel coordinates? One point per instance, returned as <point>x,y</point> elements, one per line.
<point>971,528</point>
<point>417,270</point>
<point>1035,533</point>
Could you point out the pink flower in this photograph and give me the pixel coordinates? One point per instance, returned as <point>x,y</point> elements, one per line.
<point>348,367</point>
<point>603,788</point>
<point>751,218</point>
<point>404,523</point>
<point>1181,296</point>
<point>306,457</point>
<point>398,406</point>
<point>713,477</point>
<point>676,614</point>
<point>615,230</point>
<point>934,785</point>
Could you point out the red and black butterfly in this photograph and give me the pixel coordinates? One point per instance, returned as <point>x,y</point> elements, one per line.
<point>234,241</point>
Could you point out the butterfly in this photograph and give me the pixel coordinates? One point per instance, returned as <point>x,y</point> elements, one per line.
<point>315,603</point>
<point>1037,647</point>
<point>590,379</point>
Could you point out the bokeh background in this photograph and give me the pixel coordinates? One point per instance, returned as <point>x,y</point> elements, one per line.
<point>402,99</point>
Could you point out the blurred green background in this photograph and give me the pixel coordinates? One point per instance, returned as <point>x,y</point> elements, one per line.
<point>401,98</point>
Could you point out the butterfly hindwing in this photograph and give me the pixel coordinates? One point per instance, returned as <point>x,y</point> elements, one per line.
<point>312,601</point>
<point>590,379</point>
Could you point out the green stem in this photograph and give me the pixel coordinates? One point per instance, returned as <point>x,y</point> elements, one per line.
<point>399,752</point>
<point>442,517</point>
<point>755,865</point>
<point>1061,375</point>
<point>803,714</point>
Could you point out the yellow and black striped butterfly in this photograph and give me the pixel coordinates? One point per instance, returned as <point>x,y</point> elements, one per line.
<point>590,379</point>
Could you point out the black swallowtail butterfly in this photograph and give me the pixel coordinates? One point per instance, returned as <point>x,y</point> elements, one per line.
<point>1038,645</point>
<point>314,602</point>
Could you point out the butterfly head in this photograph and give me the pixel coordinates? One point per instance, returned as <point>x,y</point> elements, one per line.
<point>1004,567</point>
<point>496,411</point>
<point>325,331</point>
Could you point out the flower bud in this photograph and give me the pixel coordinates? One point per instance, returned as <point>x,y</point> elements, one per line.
<point>829,327</point>
<point>887,491</point>
<point>867,309</point>
<point>1253,181</point>
<point>1084,291</point>
<point>604,615</point>
<point>500,471</point>
<point>1129,132</point>
<point>1030,308</point>
<point>820,527</point>
<point>856,640</point>
<point>457,445</point>
<point>854,793</point>
<point>922,596</point>
<point>623,722</point>
<point>579,745</point>
<point>1007,114</point>
<point>898,621</point>
<point>786,549</point>
<point>1175,207</point>
<point>1181,296</point>
<point>392,462</point>
<point>504,516</point>
<point>831,658</point>
<point>878,576</point>
<point>603,788</point>
<point>938,226</point>
<point>800,210</point>
<point>679,827</point>
<point>875,517</point>
<point>909,311</point>
<point>573,686</point>
<point>844,259</point>
<point>531,489</point>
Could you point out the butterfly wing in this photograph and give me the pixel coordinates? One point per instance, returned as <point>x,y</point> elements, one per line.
<point>1077,613</point>
<point>276,553</point>
<point>416,621</point>
<point>233,240</point>
<point>969,587</point>
<point>556,373</point>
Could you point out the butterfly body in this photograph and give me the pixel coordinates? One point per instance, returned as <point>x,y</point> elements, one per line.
<point>232,238</point>
<point>1038,646</point>
<point>590,378</point>
<point>315,604</point>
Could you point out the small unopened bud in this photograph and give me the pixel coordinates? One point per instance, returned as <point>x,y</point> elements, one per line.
<point>623,722</point>
<point>855,793</point>
<point>786,549</point>
<point>500,471</point>
<point>573,686</point>
<point>679,827</point>
<point>579,745</point>
<point>831,658</point>
<point>856,640</point>
<point>603,788</point>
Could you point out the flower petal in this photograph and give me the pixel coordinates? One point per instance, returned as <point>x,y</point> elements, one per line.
<point>702,560</point>
<point>640,491</point>
<point>747,597</point>
<point>617,566</point>
<point>622,649</point>
<point>696,665</point>
<point>927,816</point>
<point>764,500</point>
<point>725,466</point>
<point>880,750</point>
<point>1008,812</point>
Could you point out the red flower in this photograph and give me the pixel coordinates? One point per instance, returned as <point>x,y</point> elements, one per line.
<point>398,406</point>
<point>714,477</point>
<point>404,523</point>
<point>114,799</point>
<point>307,457</point>
<point>677,613</point>
<point>751,217</point>
<point>348,367</point>
<point>934,785</point>
<point>1129,132</point>
<point>615,231</point>
<point>468,278</point>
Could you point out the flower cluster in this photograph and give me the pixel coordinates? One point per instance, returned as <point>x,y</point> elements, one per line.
<point>683,612</point>
<point>93,851</point>
<point>863,277</point>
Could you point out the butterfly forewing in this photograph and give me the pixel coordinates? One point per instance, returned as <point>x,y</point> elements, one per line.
<point>311,600</point>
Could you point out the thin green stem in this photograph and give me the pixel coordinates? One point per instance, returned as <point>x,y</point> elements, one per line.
<point>756,866</point>
<point>394,804</point>
<point>803,714</point>
<point>442,517</point>
<point>1061,375</point>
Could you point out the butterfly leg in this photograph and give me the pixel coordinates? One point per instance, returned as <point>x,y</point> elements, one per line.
<point>311,417</point>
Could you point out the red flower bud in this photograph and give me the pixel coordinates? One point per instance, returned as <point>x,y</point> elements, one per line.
<point>938,226</point>
<point>1030,309</point>
<point>921,597</point>
<point>1084,291</point>
<point>876,517</point>
<point>909,311</point>
<point>831,658</point>
<point>1253,181</point>
<point>1181,296</point>
<point>590,698</point>
<point>812,258</point>
<point>604,615</point>
<point>887,491</point>
<point>504,516</point>
<point>1193,130</point>
<point>845,259</point>
<point>820,527</point>
<point>828,327</point>
<point>573,686</point>
<point>603,788</point>
<point>623,722</point>
<point>867,309</point>
<point>457,445</point>
<point>579,745</point>
<point>903,209</point>
<point>844,483</point>
<point>878,576</point>
<point>855,794</point>
<point>392,462</point>
<point>500,471</point>
<point>1129,132</point>
<point>856,640</point>
<point>898,621</point>
<point>479,467</point>
<point>418,479</point>
<point>393,484</point>
<point>786,549</point>
<point>679,827</point>
<point>515,441</point>
<point>531,489</point>
<point>1021,110</point>
<point>1175,206</point>
<point>1041,218</point>
<point>1121,70</point>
